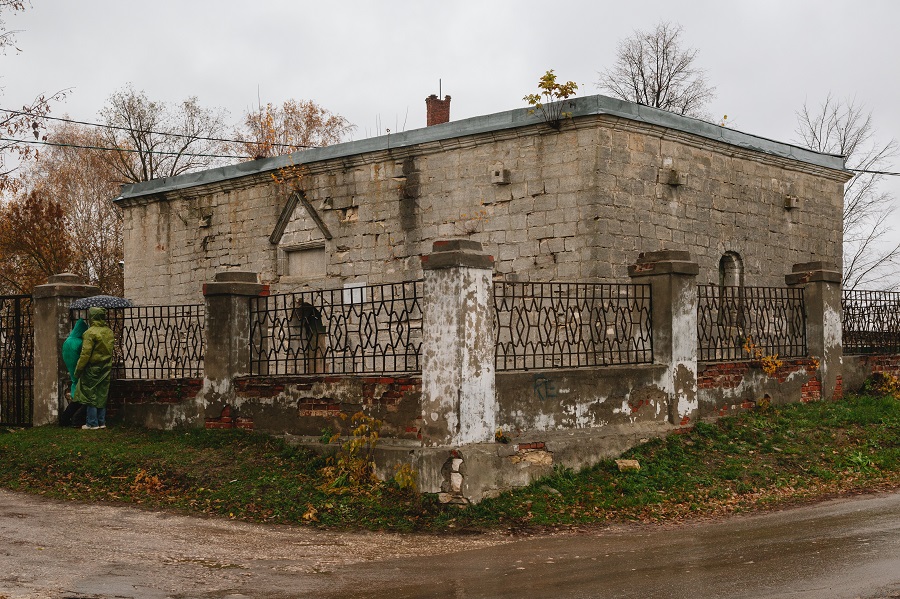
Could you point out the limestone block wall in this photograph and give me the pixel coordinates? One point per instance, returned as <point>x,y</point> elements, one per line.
<point>579,204</point>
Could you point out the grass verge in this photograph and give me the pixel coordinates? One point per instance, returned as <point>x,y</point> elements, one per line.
<point>754,460</point>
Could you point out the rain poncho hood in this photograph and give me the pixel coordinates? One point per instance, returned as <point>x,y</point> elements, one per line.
<point>71,350</point>
<point>94,365</point>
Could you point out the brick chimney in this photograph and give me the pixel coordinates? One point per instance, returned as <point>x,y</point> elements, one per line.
<point>438,110</point>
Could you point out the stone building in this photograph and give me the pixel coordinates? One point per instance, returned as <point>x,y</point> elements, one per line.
<point>579,287</point>
<point>575,204</point>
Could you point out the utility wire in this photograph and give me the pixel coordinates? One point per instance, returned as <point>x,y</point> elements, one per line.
<point>118,128</point>
<point>82,147</point>
<point>858,170</point>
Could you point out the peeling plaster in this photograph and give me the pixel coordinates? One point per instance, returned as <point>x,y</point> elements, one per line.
<point>832,330</point>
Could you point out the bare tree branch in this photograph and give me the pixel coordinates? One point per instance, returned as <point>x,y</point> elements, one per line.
<point>28,121</point>
<point>653,69</point>
<point>275,130</point>
<point>846,128</point>
<point>144,154</point>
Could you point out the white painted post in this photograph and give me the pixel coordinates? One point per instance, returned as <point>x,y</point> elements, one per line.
<point>459,403</point>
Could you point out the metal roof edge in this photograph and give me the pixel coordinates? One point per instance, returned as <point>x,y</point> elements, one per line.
<point>520,117</point>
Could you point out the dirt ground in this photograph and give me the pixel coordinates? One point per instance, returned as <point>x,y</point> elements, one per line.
<point>840,549</point>
<point>61,549</point>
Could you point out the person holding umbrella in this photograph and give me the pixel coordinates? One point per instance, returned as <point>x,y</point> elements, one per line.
<point>71,352</point>
<point>94,368</point>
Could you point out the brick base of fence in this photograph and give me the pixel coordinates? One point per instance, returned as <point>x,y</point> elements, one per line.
<point>727,386</point>
<point>311,404</point>
<point>165,391</point>
<point>858,368</point>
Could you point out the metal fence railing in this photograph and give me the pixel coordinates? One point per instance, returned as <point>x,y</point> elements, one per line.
<point>156,342</point>
<point>571,325</point>
<point>871,322</point>
<point>364,329</point>
<point>16,360</point>
<point>733,320</point>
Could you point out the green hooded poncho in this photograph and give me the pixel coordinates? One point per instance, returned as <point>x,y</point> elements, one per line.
<point>95,364</point>
<point>71,351</point>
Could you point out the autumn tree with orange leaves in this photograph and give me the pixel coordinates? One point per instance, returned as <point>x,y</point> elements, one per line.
<point>297,124</point>
<point>64,220</point>
<point>34,242</point>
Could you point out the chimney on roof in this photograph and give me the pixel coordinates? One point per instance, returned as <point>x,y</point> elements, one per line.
<point>438,110</point>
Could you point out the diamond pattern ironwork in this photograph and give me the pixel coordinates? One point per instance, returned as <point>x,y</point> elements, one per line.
<point>372,329</point>
<point>571,325</point>
<point>156,342</point>
<point>773,319</point>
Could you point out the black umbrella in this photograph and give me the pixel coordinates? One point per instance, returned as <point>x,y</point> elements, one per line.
<point>100,301</point>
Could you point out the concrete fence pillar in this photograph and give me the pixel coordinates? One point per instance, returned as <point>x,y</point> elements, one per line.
<point>672,277</point>
<point>227,334</point>
<point>51,327</point>
<point>821,283</point>
<point>459,403</point>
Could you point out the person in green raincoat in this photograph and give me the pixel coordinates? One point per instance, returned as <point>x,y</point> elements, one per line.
<point>94,368</point>
<point>71,351</point>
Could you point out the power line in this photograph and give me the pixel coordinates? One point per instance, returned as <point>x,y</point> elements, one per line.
<point>83,147</point>
<point>857,170</point>
<point>145,132</point>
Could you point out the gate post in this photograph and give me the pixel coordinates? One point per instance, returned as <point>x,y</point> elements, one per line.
<point>51,327</point>
<point>459,403</point>
<point>672,277</point>
<point>821,283</point>
<point>227,335</point>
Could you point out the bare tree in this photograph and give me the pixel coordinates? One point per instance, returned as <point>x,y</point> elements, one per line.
<point>652,68</point>
<point>27,122</point>
<point>153,140</point>
<point>276,130</point>
<point>846,128</point>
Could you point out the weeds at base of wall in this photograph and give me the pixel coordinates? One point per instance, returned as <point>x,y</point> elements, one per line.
<point>352,468</point>
<point>884,384</point>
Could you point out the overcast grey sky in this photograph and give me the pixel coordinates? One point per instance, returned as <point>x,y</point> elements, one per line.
<point>374,62</point>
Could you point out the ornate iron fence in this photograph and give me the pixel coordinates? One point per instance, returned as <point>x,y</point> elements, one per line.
<point>16,360</point>
<point>871,322</point>
<point>735,322</point>
<point>571,325</point>
<point>365,329</point>
<point>156,342</point>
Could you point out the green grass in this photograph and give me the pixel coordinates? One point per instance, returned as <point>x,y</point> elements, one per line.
<point>755,460</point>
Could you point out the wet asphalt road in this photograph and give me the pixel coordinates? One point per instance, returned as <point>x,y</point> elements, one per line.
<point>839,549</point>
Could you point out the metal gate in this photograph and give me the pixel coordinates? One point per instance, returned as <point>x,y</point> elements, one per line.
<point>16,360</point>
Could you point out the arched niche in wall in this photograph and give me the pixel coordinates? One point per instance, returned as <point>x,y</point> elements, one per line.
<point>731,297</point>
<point>731,270</point>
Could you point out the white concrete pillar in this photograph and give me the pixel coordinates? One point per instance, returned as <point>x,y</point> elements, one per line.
<point>459,403</point>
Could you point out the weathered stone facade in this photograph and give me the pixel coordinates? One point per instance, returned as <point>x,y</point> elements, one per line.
<point>578,204</point>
